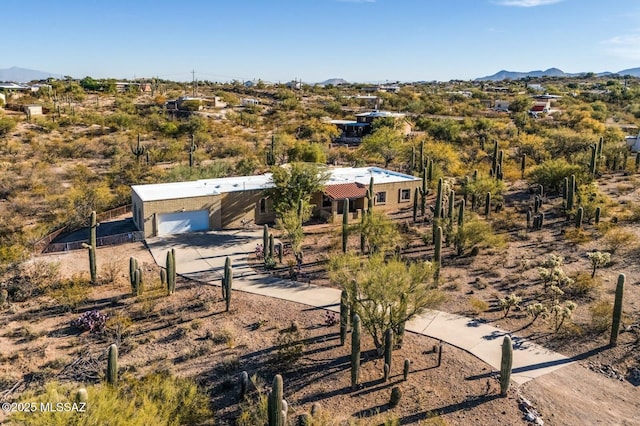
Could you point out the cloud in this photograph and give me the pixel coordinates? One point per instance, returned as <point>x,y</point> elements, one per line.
<point>526,3</point>
<point>624,46</point>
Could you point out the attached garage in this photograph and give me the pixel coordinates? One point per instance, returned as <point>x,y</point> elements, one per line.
<point>181,222</point>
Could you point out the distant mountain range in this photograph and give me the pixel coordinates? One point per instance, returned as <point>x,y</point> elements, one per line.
<point>551,72</point>
<point>333,81</point>
<point>24,75</point>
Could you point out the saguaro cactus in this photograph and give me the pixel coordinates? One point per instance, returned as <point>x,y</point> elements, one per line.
<point>344,316</point>
<point>437,252</point>
<point>171,271</point>
<point>133,266</point>
<point>274,403</point>
<point>265,242</point>
<point>370,194</point>
<point>388,347</point>
<point>487,205</point>
<point>91,248</point>
<point>402,323</point>
<point>461,208</point>
<point>355,350</point>
<point>437,211</point>
<point>138,151</point>
<point>244,384</point>
<point>192,150</point>
<point>423,193</point>
<point>505,365</point>
<point>571,191</point>
<point>617,311</point>
<point>345,224</point>
<point>112,365</point>
<point>227,282</point>
<point>415,204</point>
<point>523,164</point>
<point>579,216</point>
<point>405,369</point>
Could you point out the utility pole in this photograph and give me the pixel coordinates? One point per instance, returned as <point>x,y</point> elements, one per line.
<point>193,73</point>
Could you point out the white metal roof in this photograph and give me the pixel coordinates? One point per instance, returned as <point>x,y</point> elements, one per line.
<point>204,187</point>
<point>380,114</point>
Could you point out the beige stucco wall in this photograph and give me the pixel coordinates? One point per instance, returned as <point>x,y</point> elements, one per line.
<point>244,205</point>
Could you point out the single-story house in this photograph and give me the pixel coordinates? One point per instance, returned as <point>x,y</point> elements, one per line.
<point>354,130</point>
<point>249,102</point>
<point>207,204</point>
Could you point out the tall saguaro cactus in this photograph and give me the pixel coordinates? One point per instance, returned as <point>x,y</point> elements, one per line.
<point>171,271</point>
<point>437,252</point>
<point>344,316</point>
<point>617,311</point>
<point>112,365</point>
<point>91,248</point>
<point>274,403</point>
<point>571,192</point>
<point>227,282</point>
<point>388,347</point>
<point>265,242</point>
<point>437,211</point>
<point>356,330</point>
<point>192,150</point>
<point>505,365</point>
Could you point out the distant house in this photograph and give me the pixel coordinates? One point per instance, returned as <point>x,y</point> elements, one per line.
<point>295,85</point>
<point>254,83</point>
<point>540,107</point>
<point>502,106</point>
<point>32,110</point>
<point>124,86</point>
<point>249,102</point>
<point>633,142</point>
<point>354,131</point>
<point>14,87</point>
<point>536,87</point>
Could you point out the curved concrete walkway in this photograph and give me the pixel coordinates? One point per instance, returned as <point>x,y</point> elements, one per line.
<point>201,256</point>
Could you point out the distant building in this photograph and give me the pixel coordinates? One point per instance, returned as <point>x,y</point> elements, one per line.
<point>249,102</point>
<point>354,131</point>
<point>536,87</point>
<point>502,106</point>
<point>295,85</point>
<point>254,83</point>
<point>32,110</point>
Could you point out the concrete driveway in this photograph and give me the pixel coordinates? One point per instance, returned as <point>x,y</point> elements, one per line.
<point>201,255</point>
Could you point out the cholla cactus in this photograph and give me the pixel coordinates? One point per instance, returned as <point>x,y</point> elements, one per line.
<point>536,311</point>
<point>562,313</point>
<point>509,302</point>
<point>598,259</point>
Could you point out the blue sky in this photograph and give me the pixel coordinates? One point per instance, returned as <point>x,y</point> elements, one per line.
<point>312,40</point>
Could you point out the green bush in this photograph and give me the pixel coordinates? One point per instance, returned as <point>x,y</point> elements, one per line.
<point>157,399</point>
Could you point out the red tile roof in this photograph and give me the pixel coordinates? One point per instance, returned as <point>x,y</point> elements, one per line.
<point>345,190</point>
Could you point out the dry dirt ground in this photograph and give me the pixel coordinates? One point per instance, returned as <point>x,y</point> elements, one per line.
<point>190,334</point>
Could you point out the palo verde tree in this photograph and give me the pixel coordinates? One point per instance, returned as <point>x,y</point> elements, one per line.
<point>384,293</point>
<point>385,142</point>
<point>295,183</point>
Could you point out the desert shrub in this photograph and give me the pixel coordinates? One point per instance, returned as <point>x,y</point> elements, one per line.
<point>253,411</point>
<point>224,336</point>
<point>72,292</point>
<point>32,279</point>
<point>478,306</point>
<point>583,285</point>
<point>117,326</point>
<point>577,236</point>
<point>92,321</point>
<point>551,174</point>
<point>156,399</point>
<point>110,272</point>
<point>598,259</point>
<point>618,240</point>
<point>290,345</point>
<point>601,314</point>
<point>562,314</point>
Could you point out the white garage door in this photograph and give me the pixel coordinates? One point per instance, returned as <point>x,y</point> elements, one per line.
<point>181,222</point>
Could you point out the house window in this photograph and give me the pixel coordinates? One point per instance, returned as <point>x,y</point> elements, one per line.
<point>381,197</point>
<point>405,195</point>
<point>262,206</point>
